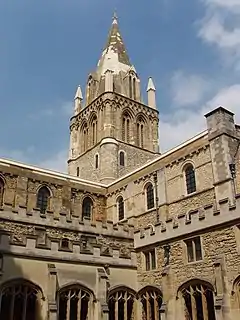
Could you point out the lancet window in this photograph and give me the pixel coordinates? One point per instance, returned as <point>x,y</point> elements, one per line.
<point>121,305</point>
<point>120,205</point>
<point>126,128</point>
<point>132,86</point>
<point>190,178</point>
<point>140,132</point>
<point>74,303</point>
<point>87,208</point>
<point>150,196</point>
<point>94,129</point>
<point>19,300</point>
<point>43,197</point>
<point>198,302</point>
<point>1,191</point>
<point>151,300</point>
<point>85,137</point>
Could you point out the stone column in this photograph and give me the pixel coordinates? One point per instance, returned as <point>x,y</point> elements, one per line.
<point>52,285</point>
<point>102,282</point>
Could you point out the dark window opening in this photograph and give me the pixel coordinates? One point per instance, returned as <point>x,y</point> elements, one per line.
<point>150,196</point>
<point>77,171</point>
<point>120,209</point>
<point>150,260</point>
<point>151,301</point>
<point>121,158</point>
<point>190,179</point>
<point>65,243</point>
<point>194,249</point>
<point>43,199</point>
<point>19,301</point>
<point>199,302</point>
<point>73,304</point>
<point>87,208</point>
<point>96,161</point>
<point>121,305</point>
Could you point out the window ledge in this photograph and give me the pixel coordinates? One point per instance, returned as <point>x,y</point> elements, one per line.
<point>194,262</point>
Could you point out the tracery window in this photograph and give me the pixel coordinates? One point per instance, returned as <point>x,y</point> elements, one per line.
<point>120,204</point>
<point>151,299</point>
<point>121,158</point>
<point>150,196</point>
<point>74,303</point>
<point>87,207</point>
<point>19,300</point>
<point>43,197</point>
<point>198,301</point>
<point>120,305</point>
<point>190,178</point>
<point>126,128</point>
<point>1,191</point>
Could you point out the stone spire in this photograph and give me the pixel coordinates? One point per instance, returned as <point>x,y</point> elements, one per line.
<point>78,100</point>
<point>151,92</point>
<point>114,56</point>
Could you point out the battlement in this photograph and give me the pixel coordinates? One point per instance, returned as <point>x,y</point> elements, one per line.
<point>209,216</point>
<point>66,238</point>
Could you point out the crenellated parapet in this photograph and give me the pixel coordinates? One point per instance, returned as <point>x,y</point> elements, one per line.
<point>194,221</point>
<point>66,238</point>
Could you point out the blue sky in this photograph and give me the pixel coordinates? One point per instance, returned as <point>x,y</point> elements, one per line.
<point>191,48</point>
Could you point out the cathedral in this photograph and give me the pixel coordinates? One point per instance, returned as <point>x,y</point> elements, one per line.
<point>129,233</point>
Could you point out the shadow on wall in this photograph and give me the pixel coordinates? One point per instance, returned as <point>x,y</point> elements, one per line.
<point>20,299</point>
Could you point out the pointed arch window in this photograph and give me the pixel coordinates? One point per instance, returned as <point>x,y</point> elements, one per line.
<point>120,205</point>
<point>121,304</point>
<point>19,300</point>
<point>87,208</point>
<point>43,197</point>
<point>1,191</point>
<point>126,127</point>
<point>134,88</point>
<point>96,161</point>
<point>151,300</point>
<point>130,87</point>
<point>74,303</point>
<point>140,132</point>
<point>85,137</point>
<point>122,158</point>
<point>198,301</point>
<point>150,196</point>
<point>190,178</point>
<point>94,129</point>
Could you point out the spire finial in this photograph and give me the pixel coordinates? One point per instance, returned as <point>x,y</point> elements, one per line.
<point>115,16</point>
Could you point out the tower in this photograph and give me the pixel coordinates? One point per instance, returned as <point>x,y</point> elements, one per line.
<point>113,132</point>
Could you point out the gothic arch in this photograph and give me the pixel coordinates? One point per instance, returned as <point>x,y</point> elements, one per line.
<point>141,131</point>
<point>93,125</point>
<point>121,287</point>
<point>71,284</point>
<point>87,207</point>
<point>74,299</point>
<point>197,298</point>
<point>149,193</point>
<point>126,125</point>
<point>44,194</point>
<point>20,296</point>
<point>121,301</point>
<point>151,299</point>
<point>84,130</point>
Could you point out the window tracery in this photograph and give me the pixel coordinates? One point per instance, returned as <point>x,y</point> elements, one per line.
<point>190,178</point>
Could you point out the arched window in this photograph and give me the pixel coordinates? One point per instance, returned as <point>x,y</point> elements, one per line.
<point>190,178</point>
<point>134,88</point>
<point>140,132</point>
<point>1,191</point>
<point>74,303</point>
<point>120,205</point>
<point>150,196</point>
<point>151,299</point>
<point>85,137</point>
<point>65,243</point>
<point>43,199</point>
<point>120,303</point>
<point>87,207</point>
<point>96,161</point>
<point>94,129</point>
<point>121,158</point>
<point>198,301</point>
<point>126,127</point>
<point>20,299</point>
<point>130,87</point>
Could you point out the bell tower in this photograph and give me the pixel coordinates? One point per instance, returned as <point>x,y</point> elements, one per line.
<point>112,131</point>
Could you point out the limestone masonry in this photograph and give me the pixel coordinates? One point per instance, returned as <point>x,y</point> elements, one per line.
<point>129,233</point>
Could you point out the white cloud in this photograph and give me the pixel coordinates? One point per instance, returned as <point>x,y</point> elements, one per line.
<point>188,89</point>
<point>221,28</point>
<point>185,123</point>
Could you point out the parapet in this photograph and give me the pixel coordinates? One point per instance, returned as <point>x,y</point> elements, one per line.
<point>206,217</point>
<point>66,238</point>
